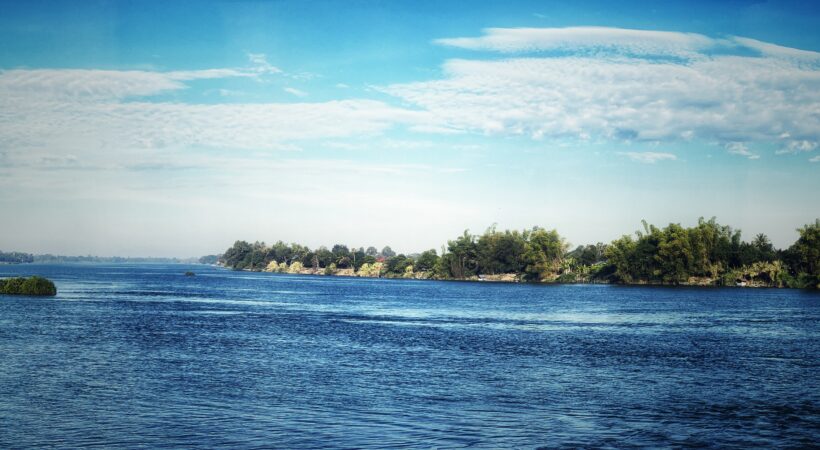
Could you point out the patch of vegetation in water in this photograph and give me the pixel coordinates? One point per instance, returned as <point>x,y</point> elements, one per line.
<point>35,285</point>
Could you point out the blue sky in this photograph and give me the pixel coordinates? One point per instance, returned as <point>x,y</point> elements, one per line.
<point>145,128</point>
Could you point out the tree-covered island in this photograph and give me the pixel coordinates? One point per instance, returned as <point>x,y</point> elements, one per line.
<point>708,254</point>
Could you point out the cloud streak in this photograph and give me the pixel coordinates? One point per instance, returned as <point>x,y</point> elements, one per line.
<point>76,85</point>
<point>649,157</point>
<point>575,39</point>
<point>740,149</point>
<point>109,110</point>
<point>621,41</point>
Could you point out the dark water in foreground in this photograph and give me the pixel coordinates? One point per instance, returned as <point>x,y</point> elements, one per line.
<point>141,356</point>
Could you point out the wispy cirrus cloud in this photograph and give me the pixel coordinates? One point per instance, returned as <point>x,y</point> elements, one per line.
<point>261,64</point>
<point>296,92</point>
<point>649,157</point>
<point>73,85</point>
<point>621,41</point>
<point>114,125</point>
<point>576,39</point>
<point>797,146</point>
<point>102,110</point>
<point>740,149</point>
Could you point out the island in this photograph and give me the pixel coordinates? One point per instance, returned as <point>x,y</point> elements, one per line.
<point>708,254</point>
<point>34,286</point>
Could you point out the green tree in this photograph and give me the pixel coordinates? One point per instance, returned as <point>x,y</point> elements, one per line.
<point>544,253</point>
<point>587,255</point>
<point>358,256</point>
<point>462,256</point>
<point>324,257</point>
<point>621,254</point>
<point>803,257</point>
<point>279,252</point>
<point>674,258</point>
<point>236,253</point>
<point>398,265</point>
<point>501,252</point>
<point>342,256</point>
<point>427,261</point>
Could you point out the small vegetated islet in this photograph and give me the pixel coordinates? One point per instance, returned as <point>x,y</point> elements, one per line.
<point>37,286</point>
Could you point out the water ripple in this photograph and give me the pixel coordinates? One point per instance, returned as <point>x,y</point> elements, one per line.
<point>143,357</point>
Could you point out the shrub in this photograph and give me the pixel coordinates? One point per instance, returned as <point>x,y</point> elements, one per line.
<point>28,286</point>
<point>295,267</point>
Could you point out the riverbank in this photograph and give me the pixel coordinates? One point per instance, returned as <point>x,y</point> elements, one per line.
<point>514,278</point>
<point>708,254</point>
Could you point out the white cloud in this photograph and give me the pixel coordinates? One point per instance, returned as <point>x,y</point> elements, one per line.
<point>815,159</point>
<point>515,40</point>
<point>774,50</point>
<point>720,98</point>
<point>260,61</point>
<point>109,126</point>
<point>739,148</point>
<point>90,85</point>
<point>793,147</point>
<point>296,92</point>
<point>75,85</point>
<point>603,40</point>
<point>623,96</point>
<point>649,157</point>
<point>104,110</point>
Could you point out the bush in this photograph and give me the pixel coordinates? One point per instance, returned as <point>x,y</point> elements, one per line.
<point>370,270</point>
<point>28,286</point>
<point>295,267</point>
<point>567,277</point>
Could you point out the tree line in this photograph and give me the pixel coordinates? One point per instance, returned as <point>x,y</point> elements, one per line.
<point>15,257</point>
<point>707,254</point>
<point>25,258</point>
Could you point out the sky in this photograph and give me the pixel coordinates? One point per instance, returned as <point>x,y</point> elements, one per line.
<point>175,128</point>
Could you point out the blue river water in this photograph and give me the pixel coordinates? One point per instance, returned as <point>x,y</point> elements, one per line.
<point>141,356</point>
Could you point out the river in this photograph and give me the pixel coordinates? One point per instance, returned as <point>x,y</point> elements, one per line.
<point>141,356</point>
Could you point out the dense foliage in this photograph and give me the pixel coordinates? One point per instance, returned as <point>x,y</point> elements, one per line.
<point>706,254</point>
<point>28,286</point>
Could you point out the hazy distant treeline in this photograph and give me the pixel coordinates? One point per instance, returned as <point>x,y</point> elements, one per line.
<point>708,254</point>
<point>48,258</point>
<point>20,258</point>
<point>15,257</point>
